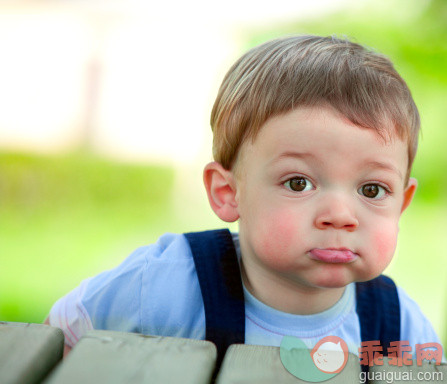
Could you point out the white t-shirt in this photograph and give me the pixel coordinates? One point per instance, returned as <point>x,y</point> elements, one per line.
<point>156,291</point>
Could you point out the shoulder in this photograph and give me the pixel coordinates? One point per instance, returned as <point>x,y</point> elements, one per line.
<point>170,245</point>
<point>169,248</point>
<point>415,325</point>
<point>113,299</point>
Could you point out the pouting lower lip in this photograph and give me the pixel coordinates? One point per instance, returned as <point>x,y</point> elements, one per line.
<point>332,255</point>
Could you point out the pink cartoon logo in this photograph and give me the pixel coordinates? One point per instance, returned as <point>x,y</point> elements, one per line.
<point>330,354</point>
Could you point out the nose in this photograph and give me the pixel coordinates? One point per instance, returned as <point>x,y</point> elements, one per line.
<point>336,212</point>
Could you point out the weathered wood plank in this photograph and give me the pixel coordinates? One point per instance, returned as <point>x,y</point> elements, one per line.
<point>28,352</point>
<point>128,358</point>
<point>248,364</point>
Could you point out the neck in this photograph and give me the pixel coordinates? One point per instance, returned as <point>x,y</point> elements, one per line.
<point>288,296</point>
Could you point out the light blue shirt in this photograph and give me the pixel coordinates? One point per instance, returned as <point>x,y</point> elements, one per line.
<point>156,291</point>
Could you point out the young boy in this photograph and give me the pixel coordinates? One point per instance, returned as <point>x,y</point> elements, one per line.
<point>314,139</point>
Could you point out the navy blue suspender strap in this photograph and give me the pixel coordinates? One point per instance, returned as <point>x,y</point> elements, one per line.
<point>215,259</point>
<point>220,282</point>
<point>378,309</point>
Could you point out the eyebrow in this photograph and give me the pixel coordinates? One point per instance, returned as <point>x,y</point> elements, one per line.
<point>385,166</point>
<point>294,155</point>
<point>306,155</point>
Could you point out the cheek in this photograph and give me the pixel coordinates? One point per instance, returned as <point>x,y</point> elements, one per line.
<point>385,241</point>
<point>379,249</point>
<point>276,237</point>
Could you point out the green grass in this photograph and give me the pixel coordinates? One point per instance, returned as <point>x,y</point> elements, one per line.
<point>65,218</point>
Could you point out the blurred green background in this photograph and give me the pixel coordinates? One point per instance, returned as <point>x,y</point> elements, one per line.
<point>64,218</point>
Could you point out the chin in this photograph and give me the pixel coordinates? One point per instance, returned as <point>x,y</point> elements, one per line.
<point>333,280</point>
<point>367,277</point>
<point>334,284</point>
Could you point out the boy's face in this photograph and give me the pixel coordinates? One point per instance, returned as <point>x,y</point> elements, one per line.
<point>319,199</point>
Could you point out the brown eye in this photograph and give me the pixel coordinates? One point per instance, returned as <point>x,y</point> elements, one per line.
<point>299,184</point>
<point>372,191</point>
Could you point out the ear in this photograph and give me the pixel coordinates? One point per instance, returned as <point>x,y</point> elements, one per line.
<point>409,193</point>
<point>221,189</point>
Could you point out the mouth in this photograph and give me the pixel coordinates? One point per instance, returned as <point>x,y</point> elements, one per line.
<point>333,255</point>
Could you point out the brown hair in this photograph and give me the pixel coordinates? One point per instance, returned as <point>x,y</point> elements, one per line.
<point>282,74</point>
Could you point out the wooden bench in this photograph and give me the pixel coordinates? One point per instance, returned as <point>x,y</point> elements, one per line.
<point>32,353</point>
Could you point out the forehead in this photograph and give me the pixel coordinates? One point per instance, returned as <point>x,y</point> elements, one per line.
<point>326,136</point>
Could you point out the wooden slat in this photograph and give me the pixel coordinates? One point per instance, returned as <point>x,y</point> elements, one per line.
<point>248,364</point>
<point>28,352</point>
<point>127,358</point>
